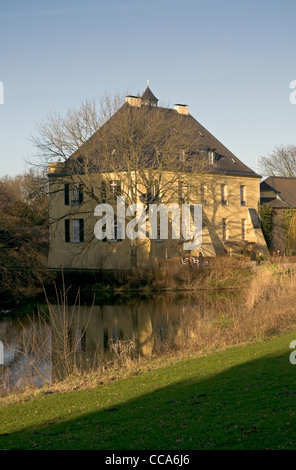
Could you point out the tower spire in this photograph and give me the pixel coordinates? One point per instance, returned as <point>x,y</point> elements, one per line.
<point>148,99</point>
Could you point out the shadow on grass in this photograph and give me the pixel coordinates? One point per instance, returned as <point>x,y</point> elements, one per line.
<point>250,406</point>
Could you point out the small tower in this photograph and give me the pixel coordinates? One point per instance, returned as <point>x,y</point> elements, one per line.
<point>148,99</point>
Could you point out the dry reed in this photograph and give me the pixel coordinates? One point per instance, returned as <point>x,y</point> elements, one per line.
<point>265,307</point>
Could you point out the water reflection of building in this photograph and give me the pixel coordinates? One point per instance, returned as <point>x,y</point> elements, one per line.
<point>92,333</point>
<point>85,336</point>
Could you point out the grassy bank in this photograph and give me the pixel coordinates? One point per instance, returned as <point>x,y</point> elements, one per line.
<point>239,398</point>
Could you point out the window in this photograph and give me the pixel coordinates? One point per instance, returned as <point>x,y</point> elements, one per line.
<point>158,237</point>
<point>203,190</point>
<point>115,188</point>
<point>243,195</point>
<point>77,231</point>
<point>183,192</point>
<point>224,194</point>
<point>225,229</point>
<point>117,232</point>
<point>155,189</point>
<point>103,191</point>
<point>182,156</point>
<point>211,157</point>
<point>76,194</point>
<point>118,188</point>
<point>180,192</point>
<point>244,229</point>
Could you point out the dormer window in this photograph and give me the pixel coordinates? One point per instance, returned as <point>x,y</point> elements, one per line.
<point>211,156</point>
<point>182,156</point>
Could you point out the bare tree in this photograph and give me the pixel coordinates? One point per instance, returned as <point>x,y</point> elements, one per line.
<point>58,137</point>
<point>145,153</point>
<point>23,200</point>
<point>281,161</point>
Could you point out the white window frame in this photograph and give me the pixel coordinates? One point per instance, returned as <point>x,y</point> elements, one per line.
<point>211,156</point>
<point>244,229</point>
<point>225,233</point>
<point>224,194</point>
<point>243,193</point>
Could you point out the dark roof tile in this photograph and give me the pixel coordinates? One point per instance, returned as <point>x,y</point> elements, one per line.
<point>283,187</point>
<point>200,140</point>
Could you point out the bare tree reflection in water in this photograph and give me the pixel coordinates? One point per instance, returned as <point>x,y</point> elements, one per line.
<point>60,339</point>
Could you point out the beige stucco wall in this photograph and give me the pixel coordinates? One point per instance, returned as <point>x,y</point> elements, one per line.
<point>95,254</point>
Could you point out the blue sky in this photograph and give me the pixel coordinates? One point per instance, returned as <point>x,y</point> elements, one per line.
<point>231,61</point>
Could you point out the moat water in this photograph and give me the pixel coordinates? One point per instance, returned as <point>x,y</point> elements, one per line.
<point>42,342</point>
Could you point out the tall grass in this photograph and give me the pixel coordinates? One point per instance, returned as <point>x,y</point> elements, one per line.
<point>171,275</point>
<point>268,307</point>
<point>265,307</point>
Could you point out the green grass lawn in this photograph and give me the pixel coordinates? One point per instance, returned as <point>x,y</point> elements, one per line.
<point>242,398</point>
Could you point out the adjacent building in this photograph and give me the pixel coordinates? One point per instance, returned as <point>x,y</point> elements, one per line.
<point>279,194</point>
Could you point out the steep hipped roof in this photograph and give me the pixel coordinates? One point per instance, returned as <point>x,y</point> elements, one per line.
<point>225,160</point>
<point>284,189</point>
<point>201,140</point>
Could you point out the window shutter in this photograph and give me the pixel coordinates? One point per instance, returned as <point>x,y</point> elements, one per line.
<point>81,230</point>
<point>67,192</point>
<point>67,230</point>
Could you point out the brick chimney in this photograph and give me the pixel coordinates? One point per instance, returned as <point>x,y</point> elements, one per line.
<point>181,108</point>
<point>133,100</point>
